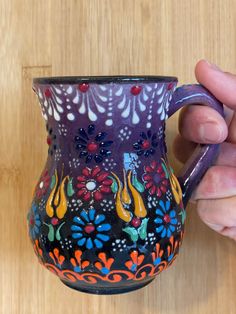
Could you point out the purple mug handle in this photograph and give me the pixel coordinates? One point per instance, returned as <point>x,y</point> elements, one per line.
<point>204,155</point>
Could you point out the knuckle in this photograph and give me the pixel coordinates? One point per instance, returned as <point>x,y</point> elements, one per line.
<point>203,211</point>
<point>209,184</point>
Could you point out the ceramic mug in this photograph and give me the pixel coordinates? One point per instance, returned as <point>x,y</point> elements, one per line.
<point>108,212</point>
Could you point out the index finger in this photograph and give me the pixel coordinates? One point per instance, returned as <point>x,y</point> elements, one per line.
<point>221,84</point>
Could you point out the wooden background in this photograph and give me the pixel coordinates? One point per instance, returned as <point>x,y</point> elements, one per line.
<point>102,37</point>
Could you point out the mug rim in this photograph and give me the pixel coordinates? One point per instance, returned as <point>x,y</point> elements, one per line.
<point>104,79</point>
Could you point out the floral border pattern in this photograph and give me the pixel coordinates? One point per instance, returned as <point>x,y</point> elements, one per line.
<point>136,268</point>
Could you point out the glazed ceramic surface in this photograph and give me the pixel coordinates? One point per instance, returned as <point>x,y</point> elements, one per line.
<point>108,211</point>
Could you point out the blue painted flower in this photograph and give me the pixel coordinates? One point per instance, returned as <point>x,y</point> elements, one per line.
<point>92,146</point>
<point>89,229</point>
<point>34,222</point>
<point>166,219</point>
<point>147,144</point>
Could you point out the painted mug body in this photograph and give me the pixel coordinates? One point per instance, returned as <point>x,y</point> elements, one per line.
<point>107,214</point>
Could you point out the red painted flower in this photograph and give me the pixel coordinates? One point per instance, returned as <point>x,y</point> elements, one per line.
<point>42,185</point>
<point>93,183</point>
<point>155,179</point>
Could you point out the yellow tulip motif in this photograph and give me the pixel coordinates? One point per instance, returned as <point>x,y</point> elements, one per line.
<point>57,199</point>
<point>124,214</point>
<point>123,198</point>
<point>130,206</point>
<point>56,206</point>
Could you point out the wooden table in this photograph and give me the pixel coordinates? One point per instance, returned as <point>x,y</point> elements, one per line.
<point>91,37</point>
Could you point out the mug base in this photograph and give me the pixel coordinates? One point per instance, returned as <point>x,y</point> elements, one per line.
<point>107,290</point>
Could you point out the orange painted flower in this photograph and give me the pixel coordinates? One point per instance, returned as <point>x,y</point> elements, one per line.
<point>135,261</point>
<point>105,265</point>
<point>57,258</point>
<point>77,262</point>
<point>172,249</point>
<point>157,255</point>
<point>37,249</point>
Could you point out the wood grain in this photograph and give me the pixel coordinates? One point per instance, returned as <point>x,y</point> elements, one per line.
<point>90,37</point>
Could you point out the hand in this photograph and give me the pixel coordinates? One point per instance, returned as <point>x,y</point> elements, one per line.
<point>216,194</point>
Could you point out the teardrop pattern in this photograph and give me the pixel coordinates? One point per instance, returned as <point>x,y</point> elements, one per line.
<point>109,101</point>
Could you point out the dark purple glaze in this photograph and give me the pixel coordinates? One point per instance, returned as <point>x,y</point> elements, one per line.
<point>107,214</point>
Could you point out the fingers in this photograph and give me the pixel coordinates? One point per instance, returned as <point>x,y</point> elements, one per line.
<point>218,182</point>
<point>216,202</point>
<point>202,124</point>
<point>183,149</point>
<point>219,83</point>
<point>232,130</point>
<point>227,155</point>
<point>219,215</point>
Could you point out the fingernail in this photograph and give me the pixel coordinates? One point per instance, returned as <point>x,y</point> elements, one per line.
<point>213,66</point>
<point>210,132</point>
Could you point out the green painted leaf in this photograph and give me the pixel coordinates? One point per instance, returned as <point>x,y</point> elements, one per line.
<point>58,235</point>
<point>138,185</point>
<point>70,190</point>
<point>183,216</point>
<point>50,233</point>
<point>53,182</point>
<point>142,230</point>
<point>114,186</point>
<point>165,170</point>
<point>132,232</point>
